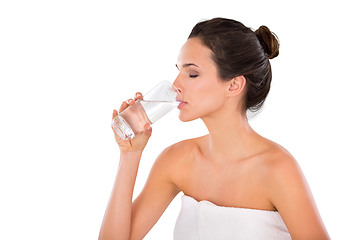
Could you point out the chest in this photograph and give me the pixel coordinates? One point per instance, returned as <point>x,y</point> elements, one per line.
<point>240,184</point>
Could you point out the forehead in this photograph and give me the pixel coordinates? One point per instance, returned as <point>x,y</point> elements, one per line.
<point>194,51</point>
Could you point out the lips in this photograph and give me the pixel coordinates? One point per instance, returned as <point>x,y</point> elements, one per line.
<point>181,104</point>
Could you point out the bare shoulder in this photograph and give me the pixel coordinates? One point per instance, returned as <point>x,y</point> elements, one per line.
<point>280,170</point>
<point>290,194</point>
<point>183,150</point>
<point>175,158</point>
<point>277,160</point>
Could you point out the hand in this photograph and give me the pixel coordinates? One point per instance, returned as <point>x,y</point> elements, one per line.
<point>138,143</point>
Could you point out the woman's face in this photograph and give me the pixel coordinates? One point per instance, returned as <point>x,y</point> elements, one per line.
<point>200,87</point>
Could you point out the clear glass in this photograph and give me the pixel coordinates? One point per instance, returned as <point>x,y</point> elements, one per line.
<point>155,104</point>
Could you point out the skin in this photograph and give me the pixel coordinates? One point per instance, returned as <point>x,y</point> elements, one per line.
<point>257,173</point>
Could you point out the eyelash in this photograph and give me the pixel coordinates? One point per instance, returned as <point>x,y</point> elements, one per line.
<point>193,76</point>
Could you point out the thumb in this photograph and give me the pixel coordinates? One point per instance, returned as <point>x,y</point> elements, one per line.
<point>147,129</point>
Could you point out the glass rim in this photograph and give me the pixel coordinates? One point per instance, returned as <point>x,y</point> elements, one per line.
<point>170,88</point>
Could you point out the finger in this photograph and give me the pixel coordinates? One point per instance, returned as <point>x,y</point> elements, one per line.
<point>131,102</point>
<point>115,113</point>
<point>147,129</point>
<point>123,106</point>
<point>138,95</point>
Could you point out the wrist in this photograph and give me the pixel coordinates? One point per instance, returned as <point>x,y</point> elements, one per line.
<point>130,154</point>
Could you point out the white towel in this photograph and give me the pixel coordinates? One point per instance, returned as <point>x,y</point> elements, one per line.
<point>206,221</point>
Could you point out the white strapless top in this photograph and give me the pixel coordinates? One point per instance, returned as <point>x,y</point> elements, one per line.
<point>206,221</point>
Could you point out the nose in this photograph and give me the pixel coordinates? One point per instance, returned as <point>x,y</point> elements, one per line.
<point>178,88</point>
<point>177,84</point>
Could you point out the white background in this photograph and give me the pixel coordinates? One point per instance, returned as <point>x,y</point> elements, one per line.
<point>65,65</point>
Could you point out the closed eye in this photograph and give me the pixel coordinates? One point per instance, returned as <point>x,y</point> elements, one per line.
<point>193,75</point>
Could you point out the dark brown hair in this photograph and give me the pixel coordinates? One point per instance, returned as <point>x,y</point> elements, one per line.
<point>239,51</point>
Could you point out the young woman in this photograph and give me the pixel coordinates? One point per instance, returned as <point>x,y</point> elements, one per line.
<point>236,183</point>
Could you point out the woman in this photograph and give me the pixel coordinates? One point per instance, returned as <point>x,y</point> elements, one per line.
<point>236,183</point>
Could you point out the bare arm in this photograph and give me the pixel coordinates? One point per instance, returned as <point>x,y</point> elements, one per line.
<point>156,195</point>
<point>125,219</point>
<point>117,219</point>
<point>292,197</point>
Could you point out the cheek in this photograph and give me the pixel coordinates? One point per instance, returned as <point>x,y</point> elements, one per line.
<point>204,88</point>
<point>211,101</point>
<point>206,98</point>
<point>209,91</point>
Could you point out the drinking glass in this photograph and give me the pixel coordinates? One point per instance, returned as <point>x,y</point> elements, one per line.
<point>155,104</point>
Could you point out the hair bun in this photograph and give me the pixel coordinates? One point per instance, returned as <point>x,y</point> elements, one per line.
<point>269,41</point>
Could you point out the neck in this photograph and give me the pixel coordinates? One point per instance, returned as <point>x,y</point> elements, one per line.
<point>230,137</point>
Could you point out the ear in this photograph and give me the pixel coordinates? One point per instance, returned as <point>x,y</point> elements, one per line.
<point>236,86</point>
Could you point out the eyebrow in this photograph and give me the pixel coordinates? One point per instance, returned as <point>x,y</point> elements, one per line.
<point>186,65</point>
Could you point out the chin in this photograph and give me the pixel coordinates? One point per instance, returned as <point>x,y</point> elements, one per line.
<point>186,118</point>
